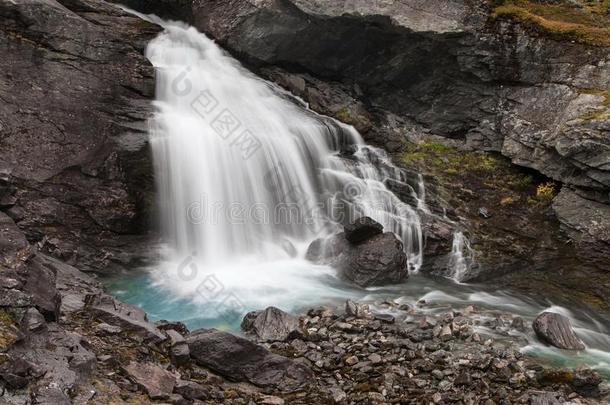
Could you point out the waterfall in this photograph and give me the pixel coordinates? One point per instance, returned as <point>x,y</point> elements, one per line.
<point>248,177</point>
<point>460,257</point>
<point>243,170</point>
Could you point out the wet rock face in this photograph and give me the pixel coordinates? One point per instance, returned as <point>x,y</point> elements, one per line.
<point>75,90</point>
<point>458,86</point>
<point>362,229</point>
<point>587,223</point>
<point>556,330</point>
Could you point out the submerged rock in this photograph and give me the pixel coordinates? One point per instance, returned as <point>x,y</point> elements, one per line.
<point>556,330</point>
<point>239,359</point>
<point>362,229</point>
<point>270,325</point>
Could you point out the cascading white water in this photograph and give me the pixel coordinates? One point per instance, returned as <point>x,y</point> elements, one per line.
<point>247,177</point>
<point>237,162</point>
<point>460,257</point>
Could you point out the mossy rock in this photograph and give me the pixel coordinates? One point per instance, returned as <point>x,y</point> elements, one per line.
<point>555,376</point>
<point>9,332</point>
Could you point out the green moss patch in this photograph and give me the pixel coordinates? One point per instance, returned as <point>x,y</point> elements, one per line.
<point>9,332</point>
<point>454,162</point>
<point>587,23</point>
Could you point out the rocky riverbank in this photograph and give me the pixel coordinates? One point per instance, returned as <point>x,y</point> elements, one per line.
<point>63,340</point>
<point>91,202</point>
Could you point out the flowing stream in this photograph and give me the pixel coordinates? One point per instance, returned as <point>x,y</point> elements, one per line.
<point>248,177</point>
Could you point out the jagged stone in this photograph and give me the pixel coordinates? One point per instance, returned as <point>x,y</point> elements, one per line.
<point>155,381</point>
<point>272,324</point>
<point>191,390</point>
<point>128,317</point>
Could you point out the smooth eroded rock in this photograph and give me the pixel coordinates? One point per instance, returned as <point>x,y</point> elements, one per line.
<point>239,359</point>
<point>556,330</point>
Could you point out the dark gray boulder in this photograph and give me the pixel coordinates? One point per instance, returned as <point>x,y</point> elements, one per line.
<point>362,229</point>
<point>379,261</point>
<point>556,330</point>
<point>272,324</point>
<point>239,359</point>
<point>191,390</point>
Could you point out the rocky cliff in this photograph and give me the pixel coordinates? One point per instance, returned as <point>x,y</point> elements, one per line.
<point>75,172</point>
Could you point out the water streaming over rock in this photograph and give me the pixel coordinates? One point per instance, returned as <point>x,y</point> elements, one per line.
<point>248,176</point>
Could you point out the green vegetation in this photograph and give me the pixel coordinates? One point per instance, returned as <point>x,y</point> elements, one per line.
<point>453,162</point>
<point>344,115</point>
<point>8,330</point>
<point>586,23</point>
<point>451,166</point>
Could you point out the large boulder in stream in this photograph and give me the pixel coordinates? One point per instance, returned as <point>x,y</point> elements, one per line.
<point>556,330</point>
<point>239,359</point>
<point>379,260</point>
<point>270,325</point>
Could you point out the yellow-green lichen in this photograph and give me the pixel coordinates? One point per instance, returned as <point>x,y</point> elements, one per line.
<point>601,113</point>
<point>343,115</point>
